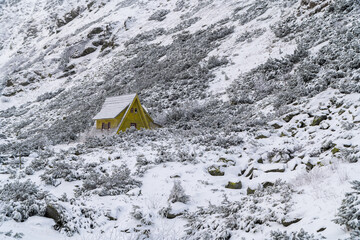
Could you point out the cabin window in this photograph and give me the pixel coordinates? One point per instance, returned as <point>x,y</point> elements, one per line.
<point>133,125</point>
<point>103,126</point>
<point>109,125</point>
<point>131,110</point>
<point>135,110</point>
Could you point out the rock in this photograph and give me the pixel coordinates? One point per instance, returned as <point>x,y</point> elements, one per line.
<point>290,116</point>
<point>9,83</point>
<point>301,124</point>
<point>53,213</point>
<point>249,174</point>
<point>250,191</point>
<point>317,120</point>
<point>234,185</point>
<point>327,146</point>
<point>287,223</point>
<point>175,176</point>
<point>170,215</point>
<point>275,170</point>
<point>321,229</point>
<point>335,150</point>
<point>94,32</point>
<point>215,171</point>
<point>87,51</point>
<point>267,184</point>
<point>309,166</point>
<point>261,136</point>
<point>324,125</point>
<point>228,162</point>
<point>276,126</point>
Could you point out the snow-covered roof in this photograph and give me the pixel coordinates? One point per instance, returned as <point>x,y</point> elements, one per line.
<point>114,105</point>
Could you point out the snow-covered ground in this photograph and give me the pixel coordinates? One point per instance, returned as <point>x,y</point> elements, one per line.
<point>59,59</point>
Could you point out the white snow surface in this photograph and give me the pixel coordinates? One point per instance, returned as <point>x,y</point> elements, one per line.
<point>319,192</point>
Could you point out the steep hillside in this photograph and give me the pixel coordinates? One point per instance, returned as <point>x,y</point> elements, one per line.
<point>260,96</point>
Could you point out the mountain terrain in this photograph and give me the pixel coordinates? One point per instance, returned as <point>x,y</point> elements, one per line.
<point>259,103</point>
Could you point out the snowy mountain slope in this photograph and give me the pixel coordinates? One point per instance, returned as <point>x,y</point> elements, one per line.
<point>251,91</point>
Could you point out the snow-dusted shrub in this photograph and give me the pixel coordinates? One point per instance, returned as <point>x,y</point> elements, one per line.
<point>104,184</point>
<point>300,235</point>
<point>145,218</point>
<point>248,36</point>
<point>349,212</point>
<point>183,25</point>
<point>216,62</point>
<point>177,193</point>
<point>251,213</point>
<point>284,27</point>
<point>21,200</point>
<point>58,169</point>
<point>146,36</point>
<point>49,95</point>
<point>159,15</point>
<point>256,9</point>
<point>179,155</point>
<point>142,165</point>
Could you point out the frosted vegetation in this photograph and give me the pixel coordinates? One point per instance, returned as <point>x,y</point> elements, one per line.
<point>249,149</point>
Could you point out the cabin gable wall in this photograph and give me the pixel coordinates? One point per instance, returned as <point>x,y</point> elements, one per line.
<point>134,116</point>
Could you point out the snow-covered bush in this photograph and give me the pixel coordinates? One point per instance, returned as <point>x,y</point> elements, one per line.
<point>21,200</point>
<point>159,15</point>
<point>349,212</point>
<point>177,193</point>
<point>300,235</point>
<point>251,213</point>
<point>104,184</point>
<point>58,169</point>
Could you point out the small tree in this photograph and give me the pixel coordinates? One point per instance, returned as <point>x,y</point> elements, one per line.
<point>349,211</point>
<point>178,193</point>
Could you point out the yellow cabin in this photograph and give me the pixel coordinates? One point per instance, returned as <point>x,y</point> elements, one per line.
<point>122,112</point>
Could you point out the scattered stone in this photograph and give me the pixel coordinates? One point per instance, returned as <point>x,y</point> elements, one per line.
<point>250,191</point>
<point>324,125</point>
<point>260,160</point>
<point>94,32</point>
<point>215,171</point>
<point>250,173</point>
<point>87,51</point>
<point>267,184</point>
<point>276,126</point>
<point>309,166</point>
<point>234,185</point>
<point>321,229</point>
<point>261,137</point>
<point>275,170</point>
<point>327,146</point>
<point>301,124</point>
<point>53,213</point>
<point>318,119</point>
<point>228,162</point>
<point>175,176</point>
<point>294,167</point>
<point>290,116</point>
<point>335,150</point>
<point>287,223</point>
